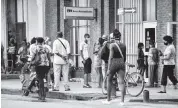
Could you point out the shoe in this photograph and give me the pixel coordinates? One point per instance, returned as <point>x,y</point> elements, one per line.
<point>67,88</point>
<point>161,92</point>
<point>106,102</point>
<point>175,86</point>
<point>55,90</point>
<point>121,103</point>
<point>85,86</point>
<point>89,86</point>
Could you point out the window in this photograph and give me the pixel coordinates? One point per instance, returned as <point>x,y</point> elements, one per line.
<point>149,10</point>
<point>79,28</point>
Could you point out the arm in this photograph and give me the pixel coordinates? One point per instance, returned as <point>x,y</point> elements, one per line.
<point>111,53</point>
<point>55,50</point>
<point>81,52</point>
<point>124,54</point>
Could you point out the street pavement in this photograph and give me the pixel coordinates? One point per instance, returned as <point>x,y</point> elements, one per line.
<point>13,86</point>
<point>11,101</point>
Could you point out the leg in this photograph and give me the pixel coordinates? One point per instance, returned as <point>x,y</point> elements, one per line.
<point>109,84</point>
<point>65,71</point>
<point>57,73</point>
<point>121,75</point>
<point>155,75</point>
<point>150,74</point>
<point>41,82</point>
<point>171,75</point>
<point>100,77</point>
<point>164,78</point>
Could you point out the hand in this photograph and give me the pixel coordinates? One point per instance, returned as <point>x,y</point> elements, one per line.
<point>107,73</point>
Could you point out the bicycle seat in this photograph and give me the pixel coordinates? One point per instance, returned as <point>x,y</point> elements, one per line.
<point>131,65</point>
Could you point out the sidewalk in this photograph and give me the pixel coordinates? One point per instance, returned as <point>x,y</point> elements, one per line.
<point>13,87</point>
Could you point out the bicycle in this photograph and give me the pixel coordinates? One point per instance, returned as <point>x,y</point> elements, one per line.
<point>134,82</point>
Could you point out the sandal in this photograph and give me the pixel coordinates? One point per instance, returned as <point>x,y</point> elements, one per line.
<point>161,92</point>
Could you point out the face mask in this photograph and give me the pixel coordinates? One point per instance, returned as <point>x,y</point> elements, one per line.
<point>165,43</point>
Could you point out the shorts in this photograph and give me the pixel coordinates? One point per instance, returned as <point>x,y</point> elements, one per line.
<point>87,66</point>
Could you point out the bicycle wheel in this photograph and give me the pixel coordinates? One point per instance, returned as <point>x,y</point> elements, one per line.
<point>135,84</point>
<point>104,86</point>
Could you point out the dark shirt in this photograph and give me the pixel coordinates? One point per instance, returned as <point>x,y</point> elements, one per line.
<point>140,54</point>
<point>117,53</point>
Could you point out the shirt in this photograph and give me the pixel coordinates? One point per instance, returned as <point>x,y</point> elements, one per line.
<point>170,50</point>
<point>43,50</point>
<point>59,48</point>
<point>153,56</point>
<point>84,47</point>
<point>31,50</point>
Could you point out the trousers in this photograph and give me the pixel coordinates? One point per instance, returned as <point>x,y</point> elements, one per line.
<point>153,74</point>
<point>58,68</point>
<point>168,71</point>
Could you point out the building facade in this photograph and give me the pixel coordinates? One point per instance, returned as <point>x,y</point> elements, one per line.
<point>152,20</point>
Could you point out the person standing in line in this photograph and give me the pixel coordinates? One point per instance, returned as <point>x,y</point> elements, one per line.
<point>140,60</point>
<point>169,63</point>
<point>43,67</point>
<point>61,50</point>
<point>50,75</point>
<point>153,61</point>
<point>116,64</point>
<point>104,61</point>
<point>84,48</point>
<point>98,61</point>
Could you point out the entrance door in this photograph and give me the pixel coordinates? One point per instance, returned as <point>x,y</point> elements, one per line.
<point>149,33</point>
<point>149,37</point>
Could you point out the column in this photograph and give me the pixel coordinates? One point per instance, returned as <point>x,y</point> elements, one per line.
<point>41,17</point>
<point>62,16</point>
<point>4,28</point>
<point>109,16</point>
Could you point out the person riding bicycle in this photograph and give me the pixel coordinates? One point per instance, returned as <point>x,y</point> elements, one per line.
<point>116,63</point>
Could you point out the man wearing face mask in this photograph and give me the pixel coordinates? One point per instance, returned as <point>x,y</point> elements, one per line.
<point>84,48</point>
<point>169,63</point>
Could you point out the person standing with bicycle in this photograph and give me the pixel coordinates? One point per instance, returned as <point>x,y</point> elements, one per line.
<point>140,60</point>
<point>116,63</point>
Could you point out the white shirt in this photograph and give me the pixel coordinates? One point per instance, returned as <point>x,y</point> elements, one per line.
<point>170,50</point>
<point>31,50</point>
<point>84,47</point>
<point>59,48</point>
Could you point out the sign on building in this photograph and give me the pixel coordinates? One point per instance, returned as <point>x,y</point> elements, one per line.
<point>79,13</point>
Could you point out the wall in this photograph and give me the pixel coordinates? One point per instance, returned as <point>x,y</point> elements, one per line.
<point>164,15</point>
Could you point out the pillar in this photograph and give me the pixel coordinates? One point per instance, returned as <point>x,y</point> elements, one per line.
<point>41,17</point>
<point>51,19</point>
<point>4,28</point>
<point>109,16</point>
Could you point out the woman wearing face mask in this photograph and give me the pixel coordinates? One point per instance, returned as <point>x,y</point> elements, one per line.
<point>169,63</point>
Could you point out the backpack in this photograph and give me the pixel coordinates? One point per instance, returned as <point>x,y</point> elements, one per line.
<point>104,54</point>
<point>36,60</point>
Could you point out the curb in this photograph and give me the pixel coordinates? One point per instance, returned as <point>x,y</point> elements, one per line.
<point>60,95</point>
<point>156,100</point>
<point>9,76</point>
